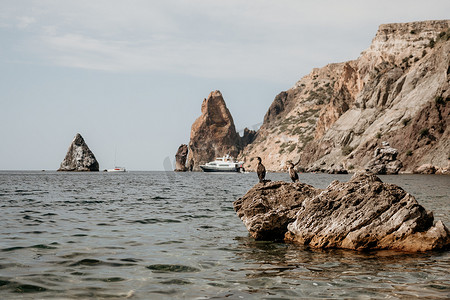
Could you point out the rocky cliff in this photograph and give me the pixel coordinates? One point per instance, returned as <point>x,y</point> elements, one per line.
<point>213,134</point>
<point>334,118</point>
<point>79,157</point>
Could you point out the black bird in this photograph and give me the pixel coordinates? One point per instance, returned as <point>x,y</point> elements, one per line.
<point>292,173</point>
<point>260,170</point>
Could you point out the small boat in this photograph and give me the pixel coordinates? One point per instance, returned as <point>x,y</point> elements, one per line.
<point>117,169</point>
<point>223,164</point>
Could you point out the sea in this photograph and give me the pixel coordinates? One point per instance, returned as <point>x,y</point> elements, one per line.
<point>167,235</point>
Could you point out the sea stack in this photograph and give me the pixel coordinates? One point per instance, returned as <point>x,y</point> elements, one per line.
<point>180,158</point>
<point>79,157</point>
<point>213,134</point>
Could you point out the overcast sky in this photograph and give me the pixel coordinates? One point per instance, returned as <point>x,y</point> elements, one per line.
<point>130,76</point>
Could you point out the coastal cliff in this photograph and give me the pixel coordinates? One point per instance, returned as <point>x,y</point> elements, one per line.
<point>79,157</point>
<point>396,92</point>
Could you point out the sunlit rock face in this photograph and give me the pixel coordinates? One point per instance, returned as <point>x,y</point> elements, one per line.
<point>361,214</point>
<point>213,134</point>
<point>334,118</point>
<point>79,157</point>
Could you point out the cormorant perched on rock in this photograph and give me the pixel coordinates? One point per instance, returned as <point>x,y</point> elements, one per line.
<point>292,173</point>
<point>260,170</point>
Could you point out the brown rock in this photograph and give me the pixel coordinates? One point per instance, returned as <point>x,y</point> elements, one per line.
<point>425,169</point>
<point>180,158</point>
<point>79,157</point>
<point>385,161</point>
<point>213,134</point>
<point>268,208</point>
<point>362,214</point>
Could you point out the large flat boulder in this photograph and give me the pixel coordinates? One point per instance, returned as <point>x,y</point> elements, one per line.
<point>362,214</point>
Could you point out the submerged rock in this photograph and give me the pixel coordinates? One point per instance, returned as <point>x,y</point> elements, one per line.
<point>362,214</point>
<point>180,158</point>
<point>79,157</point>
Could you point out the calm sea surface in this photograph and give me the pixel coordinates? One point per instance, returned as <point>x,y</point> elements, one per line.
<point>165,235</point>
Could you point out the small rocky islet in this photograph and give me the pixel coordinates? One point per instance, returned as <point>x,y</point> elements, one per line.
<point>79,157</point>
<point>361,214</point>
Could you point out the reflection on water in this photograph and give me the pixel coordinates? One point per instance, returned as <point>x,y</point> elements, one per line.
<point>158,235</point>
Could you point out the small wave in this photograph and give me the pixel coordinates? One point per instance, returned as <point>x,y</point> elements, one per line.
<point>34,232</point>
<point>29,288</point>
<point>162,268</point>
<point>154,221</point>
<point>4,282</point>
<point>176,281</point>
<point>110,279</point>
<point>49,214</point>
<point>159,198</point>
<point>97,262</point>
<point>39,246</point>
<point>169,242</point>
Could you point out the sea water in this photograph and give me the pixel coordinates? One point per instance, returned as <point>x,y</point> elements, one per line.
<point>165,235</point>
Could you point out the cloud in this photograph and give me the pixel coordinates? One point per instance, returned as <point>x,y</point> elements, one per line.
<point>24,21</point>
<point>270,40</point>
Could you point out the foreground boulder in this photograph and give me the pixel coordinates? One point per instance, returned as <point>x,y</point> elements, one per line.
<point>268,208</point>
<point>362,214</point>
<point>79,157</point>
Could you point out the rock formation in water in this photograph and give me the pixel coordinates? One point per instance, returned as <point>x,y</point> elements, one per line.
<point>180,158</point>
<point>213,134</point>
<point>79,157</point>
<point>362,214</point>
<point>397,91</point>
<point>385,161</point>
<point>268,208</point>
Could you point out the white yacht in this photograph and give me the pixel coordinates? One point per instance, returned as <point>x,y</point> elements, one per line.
<point>223,164</point>
<point>117,169</point>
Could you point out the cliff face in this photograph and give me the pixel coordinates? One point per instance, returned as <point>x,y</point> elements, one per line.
<point>213,134</point>
<point>79,157</point>
<point>397,91</point>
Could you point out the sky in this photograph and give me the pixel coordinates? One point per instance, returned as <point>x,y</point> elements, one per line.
<point>130,76</point>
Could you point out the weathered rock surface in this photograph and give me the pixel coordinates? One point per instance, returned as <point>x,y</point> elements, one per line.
<point>385,161</point>
<point>79,157</point>
<point>180,158</point>
<point>268,208</point>
<point>430,169</point>
<point>425,169</point>
<point>362,214</point>
<point>398,90</point>
<point>213,134</point>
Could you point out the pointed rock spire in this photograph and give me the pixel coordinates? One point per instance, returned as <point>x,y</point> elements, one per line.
<point>79,157</point>
<point>213,133</point>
